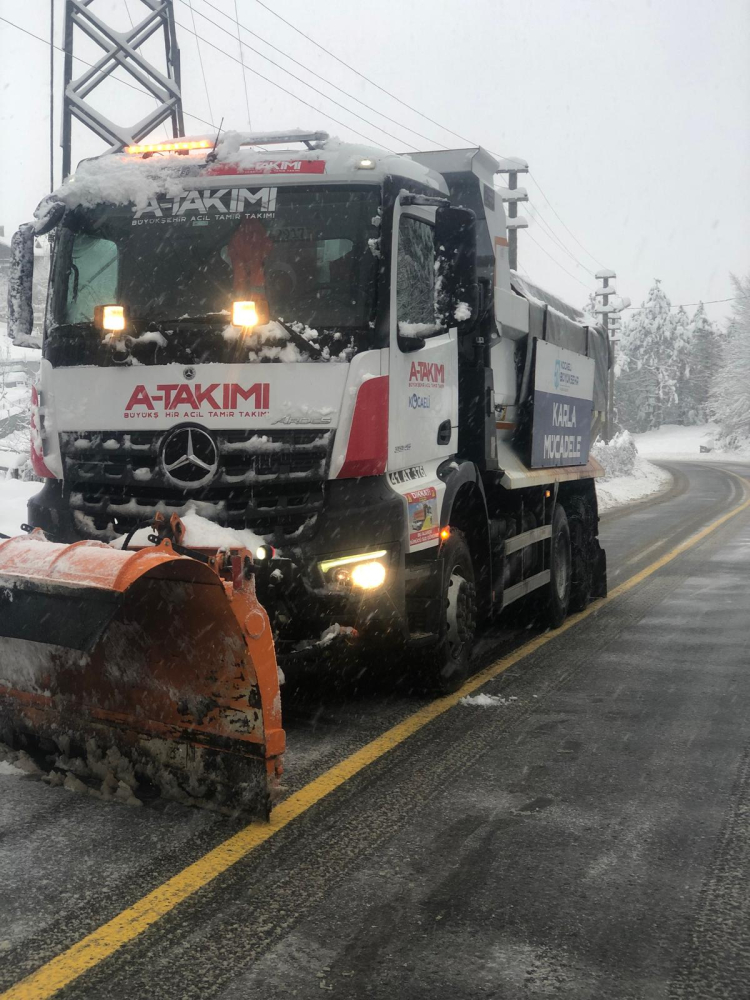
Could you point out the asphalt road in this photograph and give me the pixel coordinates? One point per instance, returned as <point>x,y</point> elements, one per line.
<point>587,837</point>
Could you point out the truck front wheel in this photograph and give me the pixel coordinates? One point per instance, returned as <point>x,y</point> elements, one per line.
<point>445,666</point>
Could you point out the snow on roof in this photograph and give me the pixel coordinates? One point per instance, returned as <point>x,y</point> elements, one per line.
<point>122,178</point>
<point>509,163</point>
<point>605,273</point>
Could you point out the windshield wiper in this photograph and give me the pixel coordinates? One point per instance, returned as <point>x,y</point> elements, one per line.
<point>312,349</point>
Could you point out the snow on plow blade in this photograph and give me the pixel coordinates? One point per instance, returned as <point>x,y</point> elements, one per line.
<point>158,657</point>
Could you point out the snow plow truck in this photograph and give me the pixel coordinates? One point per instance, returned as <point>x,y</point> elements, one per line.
<point>322,347</point>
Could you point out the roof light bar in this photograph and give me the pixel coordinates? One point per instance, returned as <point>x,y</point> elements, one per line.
<point>178,146</point>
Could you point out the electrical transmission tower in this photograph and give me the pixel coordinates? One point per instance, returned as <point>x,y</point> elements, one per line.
<point>120,51</point>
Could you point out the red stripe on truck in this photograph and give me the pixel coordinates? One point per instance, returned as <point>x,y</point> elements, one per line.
<point>37,454</point>
<point>367,450</point>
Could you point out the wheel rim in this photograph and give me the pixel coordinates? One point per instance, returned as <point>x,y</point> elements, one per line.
<point>562,565</point>
<point>458,614</point>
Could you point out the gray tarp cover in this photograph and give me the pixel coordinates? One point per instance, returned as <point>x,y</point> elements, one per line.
<point>566,327</point>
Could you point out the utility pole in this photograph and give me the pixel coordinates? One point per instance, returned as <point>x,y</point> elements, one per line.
<point>608,313</point>
<point>120,52</point>
<point>512,166</point>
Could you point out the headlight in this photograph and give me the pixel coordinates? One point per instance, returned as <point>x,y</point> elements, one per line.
<point>365,570</point>
<point>368,575</point>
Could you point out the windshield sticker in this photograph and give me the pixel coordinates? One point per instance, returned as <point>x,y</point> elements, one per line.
<point>210,205</point>
<point>269,167</point>
<point>424,524</point>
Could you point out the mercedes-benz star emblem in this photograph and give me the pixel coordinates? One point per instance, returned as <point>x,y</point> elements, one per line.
<point>189,457</point>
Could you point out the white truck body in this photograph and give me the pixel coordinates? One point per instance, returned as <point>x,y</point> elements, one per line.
<point>421,424</point>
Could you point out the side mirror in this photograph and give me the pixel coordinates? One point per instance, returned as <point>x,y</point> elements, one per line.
<point>21,287</point>
<point>456,253</point>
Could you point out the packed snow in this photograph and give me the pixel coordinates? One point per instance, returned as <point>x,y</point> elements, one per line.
<point>200,533</point>
<point>487,700</point>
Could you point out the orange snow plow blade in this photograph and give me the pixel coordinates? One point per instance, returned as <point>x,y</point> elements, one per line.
<point>146,665</point>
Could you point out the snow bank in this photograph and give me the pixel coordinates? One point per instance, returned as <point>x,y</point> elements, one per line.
<point>629,476</point>
<point>14,495</point>
<point>619,456</point>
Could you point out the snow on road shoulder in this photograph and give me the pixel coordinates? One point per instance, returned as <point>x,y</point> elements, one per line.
<point>674,441</point>
<point>487,700</point>
<point>14,495</point>
<point>629,476</point>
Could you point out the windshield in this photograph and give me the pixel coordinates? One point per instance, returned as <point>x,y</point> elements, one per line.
<point>304,252</point>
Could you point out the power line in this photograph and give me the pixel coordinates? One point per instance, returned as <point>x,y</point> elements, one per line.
<point>319,76</point>
<point>540,218</point>
<point>244,74</point>
<point>569,273</point>
<point>541,191</point>
<point>393,96</point>
<point>289,92</point>
<point>684,305</point>
<point>299,80</point>
<point>200,59</point>
<point>362,75</point>
<point>59,48</point>
<point>537,216</point>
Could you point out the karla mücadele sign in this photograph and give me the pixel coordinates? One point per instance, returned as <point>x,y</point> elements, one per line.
<point>563,401</point>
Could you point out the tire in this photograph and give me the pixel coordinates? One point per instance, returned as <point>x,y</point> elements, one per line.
<point>556,595</point>
<point>582,552</point>
<point>445,666</point>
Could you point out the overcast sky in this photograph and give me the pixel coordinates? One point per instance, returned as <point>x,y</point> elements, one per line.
<point>634,116</point>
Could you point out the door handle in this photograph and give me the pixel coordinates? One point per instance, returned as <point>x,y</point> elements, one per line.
<point>444,432</point>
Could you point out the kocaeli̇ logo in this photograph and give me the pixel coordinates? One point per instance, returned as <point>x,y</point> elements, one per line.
<point>557,374</point>
<point>419,402</point>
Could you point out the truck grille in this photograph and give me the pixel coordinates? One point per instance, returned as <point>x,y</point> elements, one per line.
<point>268,481</point>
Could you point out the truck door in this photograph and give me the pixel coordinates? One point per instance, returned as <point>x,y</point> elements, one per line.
<point>423,389</point>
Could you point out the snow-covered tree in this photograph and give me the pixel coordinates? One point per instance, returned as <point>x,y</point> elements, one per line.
<point>730,394</point>
<point>646,376</point>
<point>704,360</point>
<point>679,333</point>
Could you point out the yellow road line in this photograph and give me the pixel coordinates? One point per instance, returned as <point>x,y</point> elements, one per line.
<point>128,925</point>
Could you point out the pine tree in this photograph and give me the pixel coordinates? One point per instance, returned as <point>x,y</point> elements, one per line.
<point>730,394</point>
<point>704,363</point>
<point>680,331</point>
<point>646,374</point>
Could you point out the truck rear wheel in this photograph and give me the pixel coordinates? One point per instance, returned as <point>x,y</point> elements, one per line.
<point>583,555</point>
<point>556,595</point>
<point>445,666</point>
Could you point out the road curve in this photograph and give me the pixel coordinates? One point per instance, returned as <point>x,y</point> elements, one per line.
<point>587,836</point>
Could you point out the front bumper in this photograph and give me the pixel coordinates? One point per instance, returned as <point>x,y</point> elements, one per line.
<point>358,515</point>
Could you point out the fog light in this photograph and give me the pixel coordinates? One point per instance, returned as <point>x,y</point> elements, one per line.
<point>368,575</point>
<point>244,314</point>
